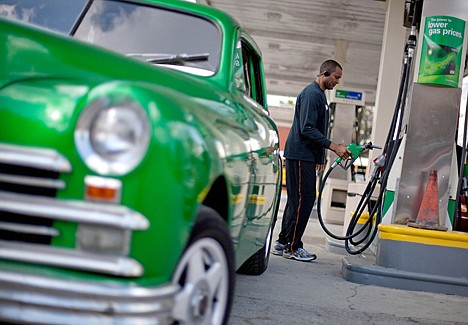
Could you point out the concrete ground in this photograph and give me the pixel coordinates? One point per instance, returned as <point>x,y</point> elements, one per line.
<point>292,292</point>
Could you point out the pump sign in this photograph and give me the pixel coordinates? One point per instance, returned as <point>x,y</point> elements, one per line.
<point>352,97</point>
<point>441,51</point>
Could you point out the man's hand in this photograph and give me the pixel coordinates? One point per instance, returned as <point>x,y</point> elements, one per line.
<point>319,168</point>
<point>340,150</point>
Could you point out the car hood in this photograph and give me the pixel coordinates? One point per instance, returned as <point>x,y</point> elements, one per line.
<point>27,52</point>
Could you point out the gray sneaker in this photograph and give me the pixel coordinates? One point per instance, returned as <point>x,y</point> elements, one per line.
<point>299,254</point>
<point>278,248</point>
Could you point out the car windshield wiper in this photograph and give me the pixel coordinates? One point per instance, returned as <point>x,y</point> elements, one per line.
<point>172,58</point>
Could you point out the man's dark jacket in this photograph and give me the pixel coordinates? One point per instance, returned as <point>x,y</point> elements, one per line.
<point>306,139</point>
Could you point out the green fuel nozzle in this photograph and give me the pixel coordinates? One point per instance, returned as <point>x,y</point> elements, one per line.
<point>356,150</point>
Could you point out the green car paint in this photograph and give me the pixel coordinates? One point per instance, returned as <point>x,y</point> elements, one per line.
<point>211,141</point>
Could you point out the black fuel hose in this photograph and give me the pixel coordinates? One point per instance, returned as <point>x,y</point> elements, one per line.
<point>367,227</point>
<point>319,210</point>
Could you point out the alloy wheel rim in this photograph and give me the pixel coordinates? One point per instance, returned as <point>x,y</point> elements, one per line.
<point>203,276</point>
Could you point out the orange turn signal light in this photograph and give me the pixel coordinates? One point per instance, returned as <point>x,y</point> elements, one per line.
<point>102,189</point>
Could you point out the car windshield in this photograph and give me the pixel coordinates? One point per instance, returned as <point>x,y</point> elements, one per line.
<point>156,35</point>
<point>56,15</point>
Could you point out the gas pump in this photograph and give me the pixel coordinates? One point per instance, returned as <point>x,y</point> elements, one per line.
<point>419,143</point>
<point>334,193</point>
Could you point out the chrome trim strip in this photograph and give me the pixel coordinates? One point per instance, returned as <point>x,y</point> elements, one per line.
<point>32,181</point>
<point>68,258</point>
<point>42,300</point>
<point>77,211</point>
<point>29,229</point>
<point>40,158</point>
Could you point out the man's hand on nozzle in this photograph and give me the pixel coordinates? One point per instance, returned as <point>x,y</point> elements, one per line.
<point>340,150</point>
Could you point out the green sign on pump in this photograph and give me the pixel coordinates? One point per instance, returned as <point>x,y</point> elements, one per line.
<point>441,51</point>
<point>356,95</point>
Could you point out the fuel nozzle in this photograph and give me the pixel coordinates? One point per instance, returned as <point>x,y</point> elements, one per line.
<point>356,150</point>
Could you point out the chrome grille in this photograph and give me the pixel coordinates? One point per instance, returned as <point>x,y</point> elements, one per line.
<point>31,171</point>
<point>20,179</point>
<point>29,181</point>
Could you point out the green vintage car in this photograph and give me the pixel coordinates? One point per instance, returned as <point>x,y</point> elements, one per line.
<point>139,167</point>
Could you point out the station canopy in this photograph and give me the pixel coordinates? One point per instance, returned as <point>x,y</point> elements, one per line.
<point>296,36</point>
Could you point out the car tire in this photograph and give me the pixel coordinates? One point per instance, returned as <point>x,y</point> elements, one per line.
<point>258,262</point>
<point>205,273</point>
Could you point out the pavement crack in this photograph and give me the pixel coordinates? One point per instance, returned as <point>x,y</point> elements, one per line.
<point>354,294</point>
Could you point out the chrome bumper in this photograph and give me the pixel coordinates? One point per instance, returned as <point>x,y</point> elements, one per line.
<point>32,299</point>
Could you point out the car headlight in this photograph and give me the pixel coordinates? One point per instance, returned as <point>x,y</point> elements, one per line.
<point>112,135</point>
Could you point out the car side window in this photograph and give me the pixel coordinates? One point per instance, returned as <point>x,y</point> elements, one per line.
<point>246,67</point>
<point>253,74</point>
<point>239,72</point>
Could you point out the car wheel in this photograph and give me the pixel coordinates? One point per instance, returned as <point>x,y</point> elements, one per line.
<point>205,273</point>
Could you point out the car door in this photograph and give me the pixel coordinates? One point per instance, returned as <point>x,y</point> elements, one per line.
<point>263,143</point>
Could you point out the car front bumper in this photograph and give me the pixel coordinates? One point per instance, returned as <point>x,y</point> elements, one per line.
<point>33,299</point>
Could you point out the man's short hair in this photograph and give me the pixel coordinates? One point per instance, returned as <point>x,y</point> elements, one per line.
<point>330,66</point>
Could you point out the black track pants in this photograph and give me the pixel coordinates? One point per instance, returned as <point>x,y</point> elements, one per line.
<point>301,188</point>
